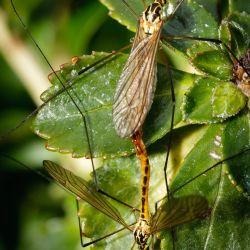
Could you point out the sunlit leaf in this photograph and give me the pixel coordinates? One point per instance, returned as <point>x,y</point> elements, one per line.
<point>225,101</point>
<point>60,122</point>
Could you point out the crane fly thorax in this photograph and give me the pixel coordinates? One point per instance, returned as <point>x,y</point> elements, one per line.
<point>152,17</point>
<point>241,77</point>
<point>142,232</point>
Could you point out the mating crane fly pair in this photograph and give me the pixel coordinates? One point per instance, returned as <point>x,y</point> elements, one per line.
<point>176,211</point>
<point>133,99</point>
<point>130,114</point>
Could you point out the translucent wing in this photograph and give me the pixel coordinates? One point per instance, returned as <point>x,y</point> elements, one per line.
<point>179,211</point>
<point>83,190</point>
<point>136,86</point>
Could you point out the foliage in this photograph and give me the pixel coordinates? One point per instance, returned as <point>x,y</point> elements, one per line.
<point>211,123</point>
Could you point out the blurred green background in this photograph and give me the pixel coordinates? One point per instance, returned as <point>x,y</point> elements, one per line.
<point>35,214</point>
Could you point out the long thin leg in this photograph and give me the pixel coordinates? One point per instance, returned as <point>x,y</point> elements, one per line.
<point>174,11</point>
<point>170,137</point>
<point>82,234</point>
<point>77,201</point>
<point>207,170</point>
<point>216,41</point>
<point>171,125</point>
<point>117,200</point>
<point>132,247</point>
<point>153,242</point>
<point>65,87</point>
<point>202,173</point>
<point>144,4</point>
<point>173,233</point>
<point>130,9</point>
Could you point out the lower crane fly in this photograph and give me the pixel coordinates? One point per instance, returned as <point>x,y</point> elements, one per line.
<point>168,215</point>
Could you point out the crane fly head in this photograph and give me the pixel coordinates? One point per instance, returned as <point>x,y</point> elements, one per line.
<point>241,77</point>
<point>142,233</point>
<point>152,17</point>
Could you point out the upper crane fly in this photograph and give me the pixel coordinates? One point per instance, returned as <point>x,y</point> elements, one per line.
<point>136,86</point>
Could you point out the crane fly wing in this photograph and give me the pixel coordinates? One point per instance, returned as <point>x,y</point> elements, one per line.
<point>136,86</point>
<point>139,35</point>
<point>179,211</point>
<point>83,190</point>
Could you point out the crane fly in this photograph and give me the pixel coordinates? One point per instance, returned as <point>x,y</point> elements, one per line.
<point>168,215</point>
<point>136,86</point>
<point>168,208</point>
<point>133,99</point>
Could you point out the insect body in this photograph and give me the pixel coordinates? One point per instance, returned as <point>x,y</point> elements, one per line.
<point>142,228</point>
<point>136,86</point>
<point>241,77</point>
<point>168,215</point>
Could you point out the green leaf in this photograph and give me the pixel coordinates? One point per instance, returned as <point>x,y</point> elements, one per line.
<point>227,101</point>
<point>234,31</point>
<point>229,208</point>
<point>210,6</point>
<point>200,22</point>
<point>216,60</point>
<point>211,60</point>
<point>61,124</point>
<point>120,12</point>
<point>228,222</point>
<point>239,5</point>
<point>125,172</point>
<point>222,100</point>
<point>95,89</point>
<point>229,217</point>
<point>211,100</point>
<point>237,138</point>
<point>220,141</point>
